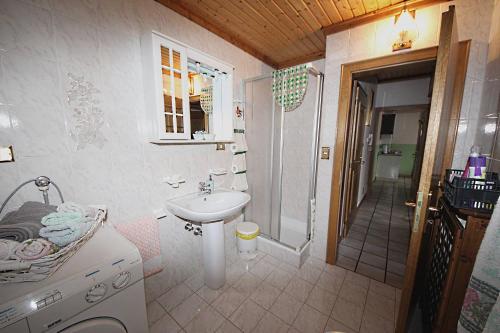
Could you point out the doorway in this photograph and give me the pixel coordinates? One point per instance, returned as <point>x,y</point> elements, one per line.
<point>449,77</point>
<point>387,136</point>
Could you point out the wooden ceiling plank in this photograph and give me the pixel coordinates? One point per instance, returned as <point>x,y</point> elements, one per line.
<point>305,13</point>
<point>272,39</point>
<point>383,3</point>
<point>370,5</point>
<point>288,10</point>
<point>271,31</point>
<point>318,11</point>
<point>268,17</point>
<point>302,59</point>
<point>237,26</point>
<point>379,14</point>
<point>344,9</point>
<point>280,16</point>
<point>357,7</point>
<point>331,10</point>
<point>307,16</point>
<point>221,32</point>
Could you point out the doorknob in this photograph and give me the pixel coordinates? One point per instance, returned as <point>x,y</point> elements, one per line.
<point>410,204</point>
<point>433,209</point>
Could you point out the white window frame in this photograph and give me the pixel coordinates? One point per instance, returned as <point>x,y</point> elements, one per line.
<point>154,125</point>
<point>158,42</point>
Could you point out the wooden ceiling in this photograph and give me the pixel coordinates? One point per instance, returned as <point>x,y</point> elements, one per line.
<point>283,33</point>
<point>401,72</point>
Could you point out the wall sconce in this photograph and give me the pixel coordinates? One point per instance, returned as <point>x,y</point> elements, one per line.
<point>405,29</point>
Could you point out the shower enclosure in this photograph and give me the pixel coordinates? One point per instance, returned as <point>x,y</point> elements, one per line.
<point>282,159</point>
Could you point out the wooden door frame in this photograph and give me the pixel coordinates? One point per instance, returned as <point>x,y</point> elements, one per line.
<point>345,91</point>
<point>346,82</point>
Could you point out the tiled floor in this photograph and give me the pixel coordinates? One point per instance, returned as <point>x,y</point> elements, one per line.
<point>266,295</point>
<point>377,243</point>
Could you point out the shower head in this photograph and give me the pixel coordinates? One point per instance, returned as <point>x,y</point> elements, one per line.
<point>42,182</point>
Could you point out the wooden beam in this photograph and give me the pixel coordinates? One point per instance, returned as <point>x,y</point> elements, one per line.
<point>177,7</point>
<point>379,14</point>
<point>301,59</point>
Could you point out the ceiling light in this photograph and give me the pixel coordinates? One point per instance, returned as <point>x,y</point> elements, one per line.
<point>405,29</point>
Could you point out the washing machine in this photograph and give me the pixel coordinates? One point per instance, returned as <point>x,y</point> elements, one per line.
<point>100,289</point>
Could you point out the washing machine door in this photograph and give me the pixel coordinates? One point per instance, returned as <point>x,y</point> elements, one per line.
<point>96,325</point>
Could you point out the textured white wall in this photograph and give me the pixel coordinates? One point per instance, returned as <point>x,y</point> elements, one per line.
<point>405,129</point>
<point>374,40</point>
<point>407,92</point>
<point>486,121</point>
<point>42,41</point>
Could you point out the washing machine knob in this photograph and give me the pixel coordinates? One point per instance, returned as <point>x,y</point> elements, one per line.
<point>121,280</point>
<point>96,293</point>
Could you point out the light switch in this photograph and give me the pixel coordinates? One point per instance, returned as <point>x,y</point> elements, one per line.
<point>220,146</point>
<point>6,154</point>
<point>325,153</point>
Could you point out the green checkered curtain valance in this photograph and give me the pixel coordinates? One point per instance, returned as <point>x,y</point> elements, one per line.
<point>289,86</point>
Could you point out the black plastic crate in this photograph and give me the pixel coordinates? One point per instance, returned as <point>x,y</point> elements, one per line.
<point>471,193</point>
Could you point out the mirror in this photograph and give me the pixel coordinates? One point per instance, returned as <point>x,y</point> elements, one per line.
<point>202,83</point>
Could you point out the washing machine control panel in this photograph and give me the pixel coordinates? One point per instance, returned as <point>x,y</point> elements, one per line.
<point>49,299</point>
<point>50,306</point>
<point>96,293</point>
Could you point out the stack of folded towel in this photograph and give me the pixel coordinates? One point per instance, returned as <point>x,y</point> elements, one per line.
<point>30,249</point>
<point>68,224</point>
<point>24,223</point>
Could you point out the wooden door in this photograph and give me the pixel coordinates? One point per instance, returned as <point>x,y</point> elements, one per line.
<point>437,130</point>
<point>354,153</point>
<point>419,154</point>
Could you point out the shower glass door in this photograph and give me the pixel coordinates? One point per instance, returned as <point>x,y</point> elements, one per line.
<point>281,160</point>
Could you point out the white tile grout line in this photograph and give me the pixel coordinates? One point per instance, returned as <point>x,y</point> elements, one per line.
<point>337,297</point>
<point>367,231</point>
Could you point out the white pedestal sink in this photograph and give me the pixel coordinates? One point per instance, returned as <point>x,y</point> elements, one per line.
<point>210,210</point>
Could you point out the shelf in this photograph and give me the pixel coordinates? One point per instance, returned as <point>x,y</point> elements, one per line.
<point>188,142</point>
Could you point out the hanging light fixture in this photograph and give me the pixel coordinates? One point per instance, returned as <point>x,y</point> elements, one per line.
<point>405,29</point>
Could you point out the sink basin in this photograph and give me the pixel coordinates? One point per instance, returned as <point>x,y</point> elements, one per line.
<point>210,210</point>
<point>204,208</point>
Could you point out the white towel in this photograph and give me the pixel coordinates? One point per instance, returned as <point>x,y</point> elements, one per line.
<point>7,248</point>
<point>239,123</point>
<point>240,144</point>
<point>239,182</point>
<point>239,163</point>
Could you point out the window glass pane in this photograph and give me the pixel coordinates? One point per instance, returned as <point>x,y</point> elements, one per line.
<point>169,123</point>
<point>167,94</point>
<point>177,59</point>
<point>165,56</point>
<point>180,124</point>
<point>178,92</point>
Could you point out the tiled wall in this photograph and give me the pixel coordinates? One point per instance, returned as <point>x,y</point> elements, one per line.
<point>42,41</point>
<point>374,40</point>
<point>490,104</point>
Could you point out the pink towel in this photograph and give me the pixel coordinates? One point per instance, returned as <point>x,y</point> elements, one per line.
<point>145,234</point>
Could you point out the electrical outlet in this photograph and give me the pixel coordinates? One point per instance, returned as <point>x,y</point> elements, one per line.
<point>325,153</point>
<point>220,146</point>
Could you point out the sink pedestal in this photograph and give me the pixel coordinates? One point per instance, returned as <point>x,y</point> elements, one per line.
<point>214,258</point>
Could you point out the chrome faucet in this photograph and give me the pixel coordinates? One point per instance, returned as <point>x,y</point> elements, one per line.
<point>207,187</point>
